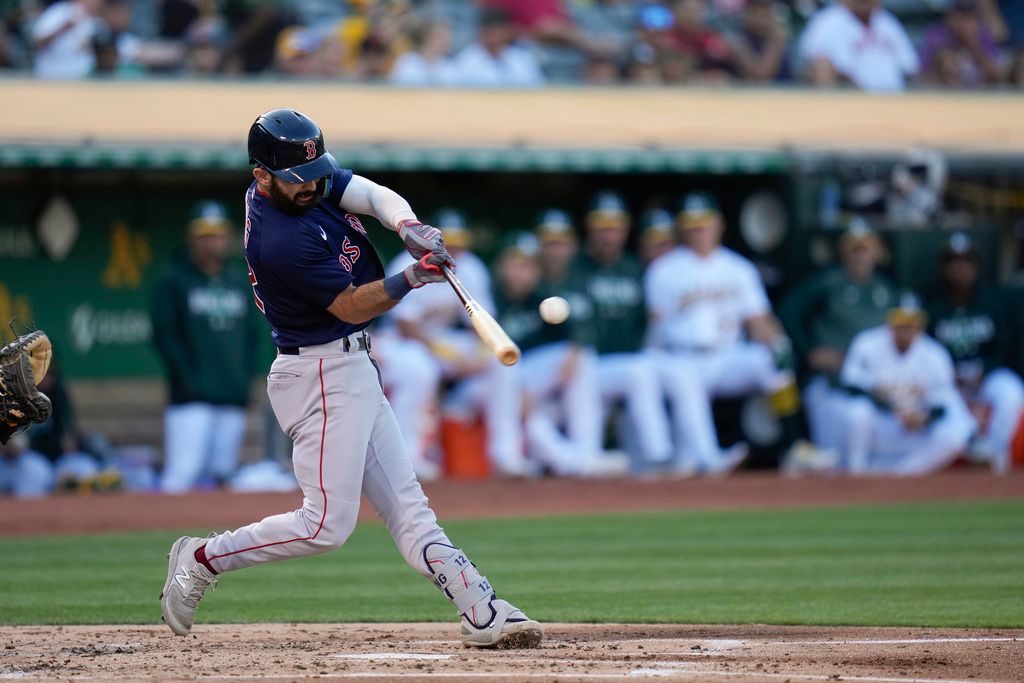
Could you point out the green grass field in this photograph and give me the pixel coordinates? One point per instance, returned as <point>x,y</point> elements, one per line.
<point>923,565</point>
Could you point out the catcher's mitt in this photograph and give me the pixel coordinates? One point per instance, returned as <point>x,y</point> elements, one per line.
<point>23,363</point>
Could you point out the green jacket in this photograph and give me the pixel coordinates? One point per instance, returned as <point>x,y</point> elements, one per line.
<point>977,334</point>
<point>616,293</point>
<point>521,319</point>
<point>829,309</point>
<point>206,330</point>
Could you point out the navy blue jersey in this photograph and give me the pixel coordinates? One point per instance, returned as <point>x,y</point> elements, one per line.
<point>299,264</point>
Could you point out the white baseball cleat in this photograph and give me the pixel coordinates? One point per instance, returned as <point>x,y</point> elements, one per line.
<point>509,629</point>
<point>187,580</point>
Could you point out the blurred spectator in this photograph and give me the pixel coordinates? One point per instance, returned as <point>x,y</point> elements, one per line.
<point>858,42</point>
<point>959,51</point>
<point>428,62</point>
<point>307,53</point>
<point>713,58</point>
<point>609,25</point>
<point>762,43</point>
<point>177,18</point>
<point>601,70</point>
<point>642,68</point>
<point>372,35</point>
<point>905,416</point>
<point>62,37</point>
<point>204,46</point>
<point>657,234</point>
<point>561,46</point>
<point>495,60</point>
<point>253,27</point>
<point>971,321</point>
<point>205,331</point>
<point>822,315</point>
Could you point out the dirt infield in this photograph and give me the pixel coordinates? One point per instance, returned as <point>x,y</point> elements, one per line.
<point>498,498</point>
<point>572,652</point>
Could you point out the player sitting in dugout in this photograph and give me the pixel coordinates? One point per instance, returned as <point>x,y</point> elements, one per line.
<point>905,415</point>
<point>970,319</point>
<point>825,311</point>
<point>714,335</point>
<point>430,341</point>
<point>557,372</point>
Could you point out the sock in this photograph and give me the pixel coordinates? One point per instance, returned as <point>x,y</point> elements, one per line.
<point>200,556</point>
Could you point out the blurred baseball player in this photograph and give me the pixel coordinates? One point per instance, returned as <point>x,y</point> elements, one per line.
<point>319,282</point>
<point>825,312</point>
<point>657,234</point>
<point>557,372</point>
<point>436,342</point>
<point>905,416</point>
<point>206,333</point>
<point>715,335</point>
<point>613,281</point>
<point>970,320</point>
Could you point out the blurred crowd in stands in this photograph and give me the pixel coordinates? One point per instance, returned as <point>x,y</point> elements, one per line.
<point>878,45</point>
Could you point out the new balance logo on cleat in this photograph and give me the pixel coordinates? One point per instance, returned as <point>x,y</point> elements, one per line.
<point>183,578</point>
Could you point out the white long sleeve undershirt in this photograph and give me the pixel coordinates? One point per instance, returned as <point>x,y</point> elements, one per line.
<point>367,197</point>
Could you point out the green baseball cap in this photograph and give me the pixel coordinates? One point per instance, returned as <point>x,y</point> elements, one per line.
<point>696,209</point>
<point>452,225</point>
<point>208,218</point>
<point>607,209</point>
<point>555,225</point>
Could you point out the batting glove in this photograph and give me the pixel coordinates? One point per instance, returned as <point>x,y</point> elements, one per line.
<point>426,270</point>
<point>420,239</point>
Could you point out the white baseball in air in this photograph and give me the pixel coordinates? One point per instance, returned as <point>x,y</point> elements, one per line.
<point>554,310</point>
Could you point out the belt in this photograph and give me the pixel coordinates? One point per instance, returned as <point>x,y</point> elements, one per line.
<point>358,340</point>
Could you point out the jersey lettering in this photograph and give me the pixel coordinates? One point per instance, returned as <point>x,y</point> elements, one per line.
<point>356,224</point>
<point>252,281</point>
<point>350,254</point>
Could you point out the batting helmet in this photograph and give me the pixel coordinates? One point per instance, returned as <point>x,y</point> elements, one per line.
<point>291,146</point>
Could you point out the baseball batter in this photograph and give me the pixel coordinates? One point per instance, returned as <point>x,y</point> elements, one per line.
<point>705,302</point>
<point>319,282</point>
<point>906,416</point>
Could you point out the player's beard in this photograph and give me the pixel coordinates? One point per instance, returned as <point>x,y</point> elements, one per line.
<point>289,206</point>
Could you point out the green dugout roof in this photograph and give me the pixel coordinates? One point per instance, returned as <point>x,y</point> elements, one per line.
<point>394,158</point>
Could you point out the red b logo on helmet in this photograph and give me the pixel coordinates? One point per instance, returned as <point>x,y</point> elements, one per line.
<point>310,149</point>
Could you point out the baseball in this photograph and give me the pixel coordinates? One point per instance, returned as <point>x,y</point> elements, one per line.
<point>554,310</point>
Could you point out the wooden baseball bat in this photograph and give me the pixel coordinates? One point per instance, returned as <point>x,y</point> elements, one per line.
<point>487,328</point>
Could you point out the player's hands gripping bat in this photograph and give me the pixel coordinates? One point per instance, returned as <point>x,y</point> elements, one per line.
<point>23,364</point>
<point>420,240</point>
<point>487,328</point>
<point>426,270</point>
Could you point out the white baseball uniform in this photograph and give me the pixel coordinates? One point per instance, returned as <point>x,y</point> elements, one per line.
<point>699,306</point>
<point>919,379</point>
<point>413,371</point>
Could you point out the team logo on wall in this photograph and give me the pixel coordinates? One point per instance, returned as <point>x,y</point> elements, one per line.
<point>310,149</point>
<point>57,228</point>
